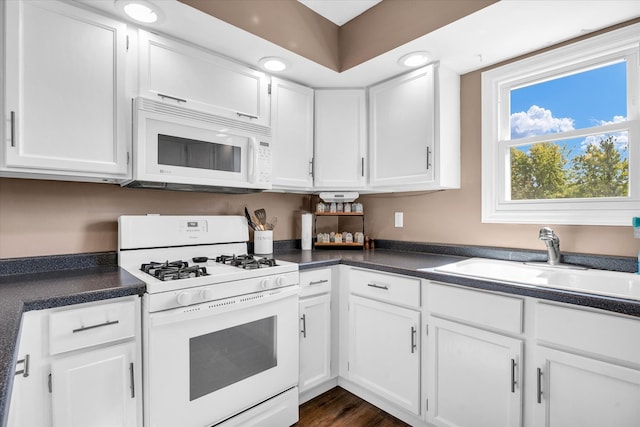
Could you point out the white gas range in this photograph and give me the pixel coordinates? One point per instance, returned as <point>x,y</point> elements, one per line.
<point>220,327</point>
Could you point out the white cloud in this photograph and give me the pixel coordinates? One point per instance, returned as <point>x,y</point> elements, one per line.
<point>538,121</point>
<point>621,140</point>
<point>616,119</point>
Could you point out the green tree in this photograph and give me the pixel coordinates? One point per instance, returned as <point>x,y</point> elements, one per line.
<point>539,173</point>
<point>600,172</point>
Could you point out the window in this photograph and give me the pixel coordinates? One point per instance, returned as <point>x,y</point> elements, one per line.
<point>561,135</point>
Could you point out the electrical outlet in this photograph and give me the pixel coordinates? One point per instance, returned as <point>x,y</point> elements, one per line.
<point>399,219</point>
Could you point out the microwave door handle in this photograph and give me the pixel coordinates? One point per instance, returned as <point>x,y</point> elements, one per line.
<point>253,159</point>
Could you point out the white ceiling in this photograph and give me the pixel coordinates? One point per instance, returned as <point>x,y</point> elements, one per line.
<point>496,33</point>
<point>339,11</point>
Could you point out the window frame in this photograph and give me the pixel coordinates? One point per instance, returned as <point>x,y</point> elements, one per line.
<point>622,44</point>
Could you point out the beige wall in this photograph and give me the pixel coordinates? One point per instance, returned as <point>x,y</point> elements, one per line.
<point>48,217</point>
<point>454,216</point>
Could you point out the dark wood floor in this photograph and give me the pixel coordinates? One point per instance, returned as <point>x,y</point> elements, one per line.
<point>338,407</point>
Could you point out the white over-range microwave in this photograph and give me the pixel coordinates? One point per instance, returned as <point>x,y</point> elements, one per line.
<point>176,148</point>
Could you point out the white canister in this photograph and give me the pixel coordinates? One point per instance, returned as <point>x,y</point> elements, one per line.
<point>305,235</point>
<point>263,242</point>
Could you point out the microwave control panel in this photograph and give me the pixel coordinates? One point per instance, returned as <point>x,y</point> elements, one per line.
<point>264,162</point>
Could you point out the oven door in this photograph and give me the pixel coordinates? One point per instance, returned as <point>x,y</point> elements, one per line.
<point>208,362</point>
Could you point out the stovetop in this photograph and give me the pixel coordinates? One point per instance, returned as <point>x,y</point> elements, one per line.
<point>178,270</point>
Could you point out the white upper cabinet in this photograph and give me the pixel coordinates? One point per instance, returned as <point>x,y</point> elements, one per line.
<point>340,139</point>
<point>191,77</point>
<point>415,131</point>
<point>66,111</point>
<point>292,142</point>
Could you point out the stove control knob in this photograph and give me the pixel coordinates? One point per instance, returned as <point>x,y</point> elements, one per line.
<point>184,298</point>
<point>266,283</point>
<point>206,294</point>
<point>281,281</point>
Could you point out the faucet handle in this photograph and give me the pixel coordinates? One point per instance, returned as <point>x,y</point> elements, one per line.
<point>546,233</point>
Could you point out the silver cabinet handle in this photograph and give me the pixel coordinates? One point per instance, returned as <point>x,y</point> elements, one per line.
<point>513,375</point>
<point>362,165</point>
<point>132,378</point>
<point>539,385</point>
<point>13,128</point>
<point>100,325</point>
<point>304,325</point>
<point>374,285</point>
<point>317,282</point>
<point>164,96</point>
<point>25,366</point>
<point>413,339</point>
<point>428,158</point>
<point>246,115</point>
<point>311,168</point>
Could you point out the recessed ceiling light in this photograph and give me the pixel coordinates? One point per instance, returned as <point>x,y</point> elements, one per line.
<point>415,59</point>
<point>140,10</point>
<point>273,63</point>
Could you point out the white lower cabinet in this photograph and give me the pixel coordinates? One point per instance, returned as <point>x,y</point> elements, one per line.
<point>83,366</point>
<point>384,355</point>
<point>30,400</point>
<point>315,331</point>
<point>315,341</point>
<point>587,368</point>
<point>95,388</point>
<point>474,361</point>
<point>475,377</point>
<point>580,391</point>
<point>384,336</point>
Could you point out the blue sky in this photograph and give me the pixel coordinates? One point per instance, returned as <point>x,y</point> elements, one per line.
<point>572,102</point>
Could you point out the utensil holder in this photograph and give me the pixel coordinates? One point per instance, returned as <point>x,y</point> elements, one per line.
<point>263,242</point>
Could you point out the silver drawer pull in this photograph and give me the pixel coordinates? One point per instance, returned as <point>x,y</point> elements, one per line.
<point>373,285</point>
<point>317,282</point>
<point>100,325</point>
<point>249,116</point>
<point>25,366</point>
<point>163,96</point>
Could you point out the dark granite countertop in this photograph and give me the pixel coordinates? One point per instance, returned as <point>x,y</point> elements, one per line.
<point>37,291</point>
<point>408,263</point>
<point>45,282</point>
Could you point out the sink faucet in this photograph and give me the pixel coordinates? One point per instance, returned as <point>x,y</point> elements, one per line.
<point>553,244</point>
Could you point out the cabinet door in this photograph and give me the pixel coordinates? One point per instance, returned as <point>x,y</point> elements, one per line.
<point>473,377</point>
<point>185,75</point>
<point>384,351</point>
<point>315,341</point>
<point>67,114</point>
<point>292,126</point>
<point>579,391</point>
<point>30,403</point>
<point>340,139</point>
<point>402,129</point>
<point>95,388</point>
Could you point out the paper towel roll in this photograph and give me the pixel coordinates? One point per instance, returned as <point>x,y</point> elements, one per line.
<point>305,225</point>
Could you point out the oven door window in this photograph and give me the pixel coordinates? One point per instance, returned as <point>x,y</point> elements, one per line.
<point>191,153</point>
<point>225,357</point>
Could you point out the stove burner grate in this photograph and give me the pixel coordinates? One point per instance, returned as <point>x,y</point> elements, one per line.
<point>173,270</point>
<point>246,261</point>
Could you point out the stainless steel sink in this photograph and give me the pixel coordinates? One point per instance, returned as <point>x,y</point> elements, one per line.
<point>601,282</point>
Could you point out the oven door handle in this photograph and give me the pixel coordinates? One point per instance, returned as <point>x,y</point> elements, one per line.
<point>212,308</point>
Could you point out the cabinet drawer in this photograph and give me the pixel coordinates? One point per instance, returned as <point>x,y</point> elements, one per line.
<point>481,308</point>
<point>314,282</point>
<point>88,326</point>
<point>597,333</point>
<point>385,287</point>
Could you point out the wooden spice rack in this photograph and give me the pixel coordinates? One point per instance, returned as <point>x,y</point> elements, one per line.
<point>333,244</point>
